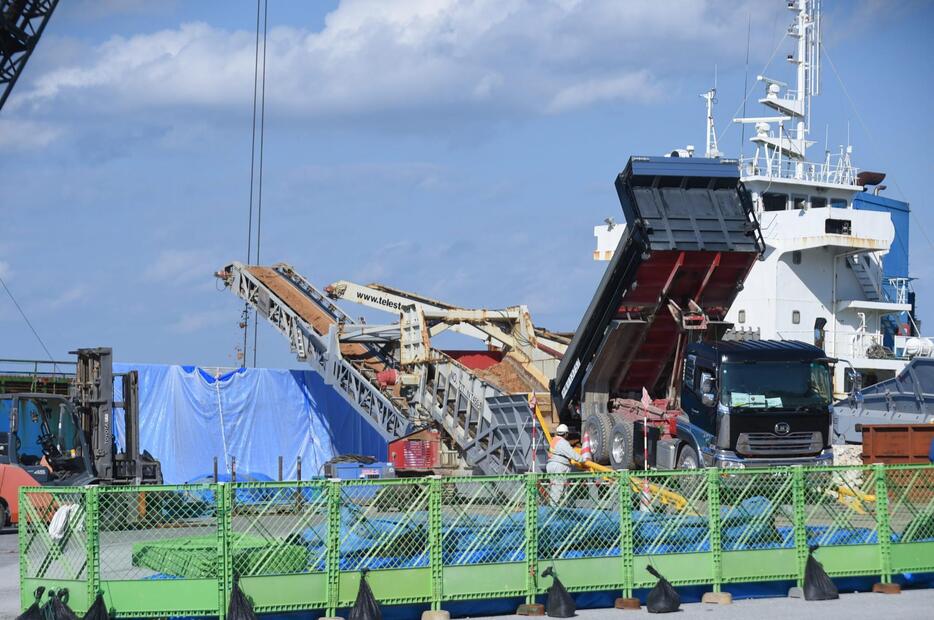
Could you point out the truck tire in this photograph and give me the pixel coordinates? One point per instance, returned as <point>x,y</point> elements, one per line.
<point>687,459</point>
<point>599,427</point>
<point>621,445</point>
<point>3,515</point>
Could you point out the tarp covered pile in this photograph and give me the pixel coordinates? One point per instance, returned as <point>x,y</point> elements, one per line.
<point>188,417</point>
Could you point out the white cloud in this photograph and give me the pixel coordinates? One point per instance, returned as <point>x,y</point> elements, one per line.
<point>197,321</point>
<point>67,297</point>
<point>25,135</point>
<point>179,267</point>
<point>515,56</point>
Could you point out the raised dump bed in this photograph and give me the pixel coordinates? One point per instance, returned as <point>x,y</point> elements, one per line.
<point>691,238</point>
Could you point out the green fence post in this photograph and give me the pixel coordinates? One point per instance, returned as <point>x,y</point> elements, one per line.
<point>224,562</point>
<point>333,555</point>
<point>92,531</point>
<point>713,509</point>
<point>434,542</point>
<point>801,535</point>
<point>625,530</point>
<point>883,526</point>
<point>22,532</point>
<point>531,537</point>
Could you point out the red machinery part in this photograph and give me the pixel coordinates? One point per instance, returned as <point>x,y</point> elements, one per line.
<point>419,451</point>
<point>387,377</point>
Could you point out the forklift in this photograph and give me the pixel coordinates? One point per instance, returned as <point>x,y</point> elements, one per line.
<point>54,440</point>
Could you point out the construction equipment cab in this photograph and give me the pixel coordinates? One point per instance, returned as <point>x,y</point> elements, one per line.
<point>48,439</point>
<point>750,403</point>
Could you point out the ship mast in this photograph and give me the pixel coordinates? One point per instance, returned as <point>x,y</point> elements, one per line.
<point>792,105</point>
<point>712,149</point>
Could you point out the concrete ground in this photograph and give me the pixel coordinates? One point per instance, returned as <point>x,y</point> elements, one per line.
<point>909,605</point>
<point>9,575</point>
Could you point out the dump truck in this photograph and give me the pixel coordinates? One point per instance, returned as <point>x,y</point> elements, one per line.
<point>55,440</point>
<point>654,377</point>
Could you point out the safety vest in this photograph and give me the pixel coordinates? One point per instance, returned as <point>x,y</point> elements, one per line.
<point>551,449</point>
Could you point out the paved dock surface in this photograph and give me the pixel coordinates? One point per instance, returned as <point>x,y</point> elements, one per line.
<point>9,575</point>
<point>909,605</point>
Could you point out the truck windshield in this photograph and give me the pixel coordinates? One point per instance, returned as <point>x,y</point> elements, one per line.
<point>775,385</point>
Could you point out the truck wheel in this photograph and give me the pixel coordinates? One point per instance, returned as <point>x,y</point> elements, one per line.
<point>3,515</point>
<point>688,458</point>
<point>598,427</point>
<point>621,445</point>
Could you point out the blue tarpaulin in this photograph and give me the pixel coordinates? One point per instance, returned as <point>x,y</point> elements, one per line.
<point>188,416</point>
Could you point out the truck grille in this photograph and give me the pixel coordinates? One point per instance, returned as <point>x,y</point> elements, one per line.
<point>770,444</point>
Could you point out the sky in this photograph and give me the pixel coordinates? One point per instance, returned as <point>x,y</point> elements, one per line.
<point>463,150</point>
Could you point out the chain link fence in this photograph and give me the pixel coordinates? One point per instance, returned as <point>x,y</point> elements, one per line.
<point>177,550</point>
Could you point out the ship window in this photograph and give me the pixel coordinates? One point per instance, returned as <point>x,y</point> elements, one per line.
<point>818,203</point>
<point>741,316</point>
<point>837,227</point>
<point>796,317</point>
<point>799,202</point>
<point>838,203</point>
<point>796,257</point>
<point>774,202</point>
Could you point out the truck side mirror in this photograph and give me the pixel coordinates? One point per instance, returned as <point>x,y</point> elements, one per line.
<point>857,380</point>
<point>4,444</point>
<point>708,395</point>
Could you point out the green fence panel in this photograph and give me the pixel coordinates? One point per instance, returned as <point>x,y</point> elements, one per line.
<point>158,545</point>
<point>578,531</point>
<point>54,532</point>
<point>162,551</point>
<point>384,530</point>
<point>911,517</point>
<point>671,527</point>
<point>757,525</point>
<point>840,519</point>
<point>482,536</point>
<point>278,543</point>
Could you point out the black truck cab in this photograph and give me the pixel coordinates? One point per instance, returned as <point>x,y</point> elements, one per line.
<point>758,402</point>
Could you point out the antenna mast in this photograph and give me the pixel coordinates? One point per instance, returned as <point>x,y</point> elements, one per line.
<point>711,148</point>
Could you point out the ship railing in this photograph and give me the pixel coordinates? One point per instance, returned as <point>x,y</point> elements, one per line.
<point>773,166</point>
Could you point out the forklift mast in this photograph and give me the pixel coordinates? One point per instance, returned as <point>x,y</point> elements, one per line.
<point>94,401</point>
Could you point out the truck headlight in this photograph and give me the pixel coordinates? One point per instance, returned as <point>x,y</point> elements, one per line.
<point>732,465</point>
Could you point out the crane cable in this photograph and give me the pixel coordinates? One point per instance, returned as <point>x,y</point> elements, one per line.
<point>245,317</point>
<point>28,322</point>
<point>262,135</point>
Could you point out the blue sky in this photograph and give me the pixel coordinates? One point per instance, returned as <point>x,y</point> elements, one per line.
<point>462,150</point>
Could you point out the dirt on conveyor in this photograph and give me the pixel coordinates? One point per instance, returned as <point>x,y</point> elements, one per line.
<point>314,315</point>
<point>510,377</point>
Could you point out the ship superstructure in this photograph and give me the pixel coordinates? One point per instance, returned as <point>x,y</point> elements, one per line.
<point>835,271</point>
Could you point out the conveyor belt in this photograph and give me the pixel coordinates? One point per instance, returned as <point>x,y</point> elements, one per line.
<point>313,314</point>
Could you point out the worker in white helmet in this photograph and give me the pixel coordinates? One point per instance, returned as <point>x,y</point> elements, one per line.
<point>560,457</point>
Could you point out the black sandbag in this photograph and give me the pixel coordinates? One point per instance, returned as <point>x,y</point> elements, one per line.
<point>240,607</point>
<point>559,604</point>
<point>818,586</point>
<point>663,598</point>
<point>365,607</point>
<point>34,611</point>
<point>98,610</point>
<point>57,607</point>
